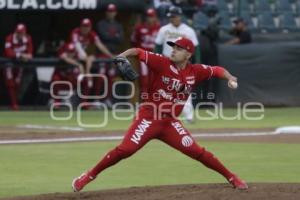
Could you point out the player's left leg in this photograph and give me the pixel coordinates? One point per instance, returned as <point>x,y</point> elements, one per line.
<point>180,138</point>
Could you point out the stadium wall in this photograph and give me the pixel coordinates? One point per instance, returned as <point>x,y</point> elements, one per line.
<point>268,73</point>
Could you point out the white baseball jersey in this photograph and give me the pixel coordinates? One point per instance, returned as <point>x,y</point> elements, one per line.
<point>170,32</point>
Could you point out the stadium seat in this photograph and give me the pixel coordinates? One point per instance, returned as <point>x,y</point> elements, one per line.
<point>288,23</point>
<point>284,6</point>
<point>200,20</point>
<point>243,5</point>
<point>297,6</point>
<point>222,6</point>
<point>266,22</point>
<point>262,6</point>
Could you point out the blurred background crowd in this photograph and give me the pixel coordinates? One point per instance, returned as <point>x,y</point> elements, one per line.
<point>39,47</point>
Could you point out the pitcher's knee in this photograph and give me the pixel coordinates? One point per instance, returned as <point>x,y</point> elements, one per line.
<point>125,152</point>
<point>195,152</point>
<point>205,155</point>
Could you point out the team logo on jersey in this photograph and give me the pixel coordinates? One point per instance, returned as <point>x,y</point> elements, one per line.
<point>173,35</point>
<point>173,69</point>
<point>175,85</point>
<point>140,131</point>
<point>179,128</point>
<point>187,141</point>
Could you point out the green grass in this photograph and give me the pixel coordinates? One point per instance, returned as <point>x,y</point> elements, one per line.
<point>49,168</point>
<point>273,117</point>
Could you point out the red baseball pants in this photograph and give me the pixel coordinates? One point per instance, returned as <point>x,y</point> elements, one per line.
<point>168,130</point>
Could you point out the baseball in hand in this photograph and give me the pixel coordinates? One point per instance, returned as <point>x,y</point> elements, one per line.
<point>232,84</point>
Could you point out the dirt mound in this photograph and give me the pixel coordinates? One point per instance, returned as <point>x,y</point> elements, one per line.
<point>266,191</point>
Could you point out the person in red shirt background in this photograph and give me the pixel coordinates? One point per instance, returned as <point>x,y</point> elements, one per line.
<point>70,56</point>
<point>84,38</point>
<point>156,118</point>
<point>143,36</point>
<point>18,45</point>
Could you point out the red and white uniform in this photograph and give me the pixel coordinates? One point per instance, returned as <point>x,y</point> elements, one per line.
<point>14,47</point>
<point>66,74</point>
<point>68,49</point>
<point>169,89</point>
<point>82,42</point>
<point>144,37</point>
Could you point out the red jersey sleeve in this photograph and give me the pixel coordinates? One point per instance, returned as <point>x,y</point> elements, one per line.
<point>9,52</point>
<point>203,72</point>
<point>154,61</point>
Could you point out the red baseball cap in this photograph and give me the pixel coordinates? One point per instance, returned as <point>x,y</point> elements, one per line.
<point>21,28</point>
<point>151,12</point>
<point>70,47</point>
<point>111,8</point>
<point>183,43</point>
<point>86,22</point>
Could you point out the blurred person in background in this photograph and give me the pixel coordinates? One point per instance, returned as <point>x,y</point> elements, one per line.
<point>171,32</point>
<point>70,56</point>
<point>18,46</point>
<point>162,7</point>
<point>84,39</point>
<point>110,30</point>
<point>111,34</point>
<point>240,32</point>
<point>143,36</point>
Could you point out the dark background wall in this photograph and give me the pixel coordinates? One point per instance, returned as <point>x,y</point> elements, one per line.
<point>267,72</point>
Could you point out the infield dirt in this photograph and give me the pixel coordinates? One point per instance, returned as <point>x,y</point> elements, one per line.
<point>256,191</point>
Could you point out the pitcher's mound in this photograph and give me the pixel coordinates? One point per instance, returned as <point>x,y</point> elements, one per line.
<point>257,191</point>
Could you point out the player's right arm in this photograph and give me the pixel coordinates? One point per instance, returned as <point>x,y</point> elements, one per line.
<point>154,61</point>
<point>205,72</point>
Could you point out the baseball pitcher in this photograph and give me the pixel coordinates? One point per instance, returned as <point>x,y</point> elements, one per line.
<point>156,118</point>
